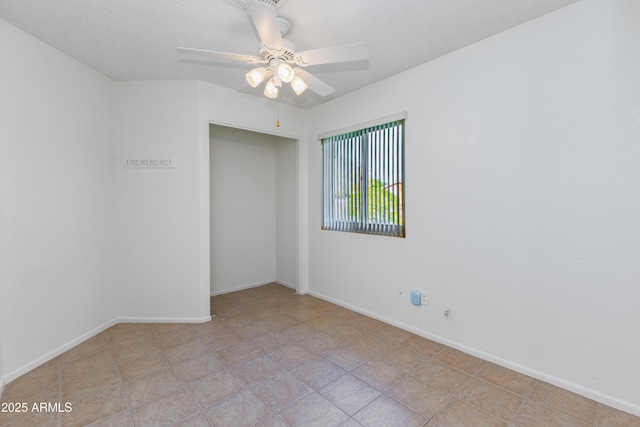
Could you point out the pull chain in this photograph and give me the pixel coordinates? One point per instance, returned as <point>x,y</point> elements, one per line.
<point>277,113</point>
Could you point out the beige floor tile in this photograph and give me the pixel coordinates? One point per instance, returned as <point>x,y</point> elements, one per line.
<point>460,414</point>
<point>442,376</point>
<point>347,334</point>
<point>423,345</point>
<point>304,314</point>
<point>46,376</point>
<point>221,340</point>
<point>143,389</point>
<point>367,324</point>
<point>378,374</point>
<point>318,372</point>
<point>506,378</point>
<point>610,417</point>
<point>240,352</point>
<point>291,355</point>
<point>142,367</point>
<point>566,402</point>
<point>258,369</point>
<point>136,351</point>
<point>272,421</point>
<point>42,394</point>
<point>321,342</point>
<point>244,321</point>
<point>185,351</point>
<point>212,327</point>
<point>87,385</point>
<point>280,322</point>
<point>20,409</point>
<point>385,411</point>
<point>85,365</point>
<point>128,337</point>
<point>322,323</point>
<point>461,361</point>
<point>120,419</point>
<point>164,328</point>
<point>198,367</point>
<point>176,337</point>
<point>38,419</point>
<point>281,390</point>
<point>197,420</point>
<point>214,388</point>
<point>273,340</point>
<point>349,393</point>
<point>370,343</point>
<point>122,328</point>
<point>254,330</point>
<point>391,334</point>
<point>148,364</point>
<point>168,409</point>
<point>419,396</point>
<point>500,403</point>
<point>95,345</point>
<point>240,410</point>
<point>351,423</point>
<point>404,358</point>
<point>300,331</point>
<point>84,411</point>
<point>313,411</point>
<point>347,357</point>
<point>534,415</point>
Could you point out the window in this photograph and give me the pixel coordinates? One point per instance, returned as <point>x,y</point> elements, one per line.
<point>363,175</point>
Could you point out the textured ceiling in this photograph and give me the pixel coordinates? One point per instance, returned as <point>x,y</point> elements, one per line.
<point>137,39</point>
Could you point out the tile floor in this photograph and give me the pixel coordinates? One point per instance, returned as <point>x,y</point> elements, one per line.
<point>272,358</point>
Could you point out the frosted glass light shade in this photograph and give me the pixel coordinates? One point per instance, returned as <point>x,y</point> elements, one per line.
<point>298,85</point>
<point>270,89</point>
<point>285,72</point>
<point>255,76</point>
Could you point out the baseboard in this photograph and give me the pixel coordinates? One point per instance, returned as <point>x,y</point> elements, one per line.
<point>163,319</point>
<point>583,391</point>
<point>241,288</point>
<point>68,346</point>
<point>57,352</point>
<point>287,284</point>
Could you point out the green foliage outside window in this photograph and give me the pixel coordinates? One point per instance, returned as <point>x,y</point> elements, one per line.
<point>381,203</point>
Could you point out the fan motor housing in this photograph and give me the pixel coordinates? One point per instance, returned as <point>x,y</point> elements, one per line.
<point>287,54</point>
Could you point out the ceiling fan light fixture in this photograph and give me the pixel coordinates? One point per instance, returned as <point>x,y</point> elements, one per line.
<point>298,85</point>
<point>285,72</point>
<point>256,76</point>
<point>270,89</point>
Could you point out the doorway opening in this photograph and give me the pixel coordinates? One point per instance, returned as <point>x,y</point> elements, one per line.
<point>254,209</point>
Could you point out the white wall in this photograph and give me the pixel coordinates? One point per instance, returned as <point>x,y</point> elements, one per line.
<point>522,201</point>
<point>286,205</point>
<point>157,209</point>
<point>57,171</point>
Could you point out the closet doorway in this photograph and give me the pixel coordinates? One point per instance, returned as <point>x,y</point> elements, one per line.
<point>254,209</point>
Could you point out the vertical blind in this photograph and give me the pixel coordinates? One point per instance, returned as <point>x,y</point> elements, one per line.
<point>363,175</point>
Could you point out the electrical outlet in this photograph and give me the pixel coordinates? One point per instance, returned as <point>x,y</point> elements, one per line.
<point>424,298</point>
<point>401,293</point>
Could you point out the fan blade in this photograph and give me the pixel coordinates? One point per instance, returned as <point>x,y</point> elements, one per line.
<point>220,56</point>
<point>315,84</point>
<point>264,19</point>
<point>329,55</point>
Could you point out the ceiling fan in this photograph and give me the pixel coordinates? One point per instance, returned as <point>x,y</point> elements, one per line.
<point>277,60</point>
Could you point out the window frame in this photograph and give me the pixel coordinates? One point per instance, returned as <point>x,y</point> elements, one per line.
<point>358,144</point>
